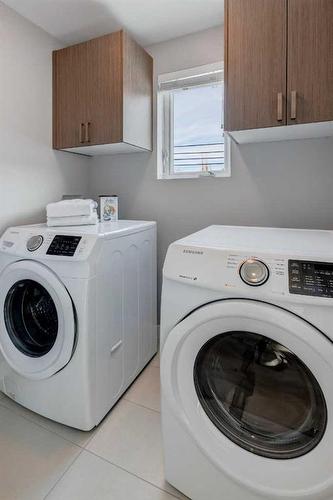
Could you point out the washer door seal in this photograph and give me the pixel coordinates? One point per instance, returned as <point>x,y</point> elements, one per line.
<point>31,318</point>
<point>37,325</point>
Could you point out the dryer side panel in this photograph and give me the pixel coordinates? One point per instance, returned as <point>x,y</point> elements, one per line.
<point>126,336</point>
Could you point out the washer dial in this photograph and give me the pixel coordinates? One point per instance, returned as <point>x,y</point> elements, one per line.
<point>254,272</point>
<point>34,242</point>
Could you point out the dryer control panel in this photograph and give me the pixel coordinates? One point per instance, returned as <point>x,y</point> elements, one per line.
<point>311,278</point>
<point>64,245</point>
<point>41,243</point>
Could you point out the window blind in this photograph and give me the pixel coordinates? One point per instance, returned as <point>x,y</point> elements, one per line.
<point>205,78</point>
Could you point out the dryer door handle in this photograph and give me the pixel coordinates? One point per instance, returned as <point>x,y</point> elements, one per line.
<point>116,346</point>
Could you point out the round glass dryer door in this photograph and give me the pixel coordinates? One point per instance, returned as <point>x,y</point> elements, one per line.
<point>250,384</point>
<point>260,395</point>
<point>31,318</point>
<point>37,325</point>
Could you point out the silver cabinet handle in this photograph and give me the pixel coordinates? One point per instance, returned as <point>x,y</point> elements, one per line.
<point>81,133</point>
<point>86,135</point>
<point>293,105</point>
<point>279,107</point>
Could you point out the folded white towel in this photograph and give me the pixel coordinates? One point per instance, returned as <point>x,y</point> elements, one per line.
<point>71,208</point>
<point>79,220</point>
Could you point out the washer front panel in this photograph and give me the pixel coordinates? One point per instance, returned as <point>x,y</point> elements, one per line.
<point>59,354</point>
<point>307,476</point>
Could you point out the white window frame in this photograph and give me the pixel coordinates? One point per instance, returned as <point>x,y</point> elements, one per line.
<point>165,126</point>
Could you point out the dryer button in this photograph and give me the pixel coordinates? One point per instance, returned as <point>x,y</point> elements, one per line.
<point>34,242</point>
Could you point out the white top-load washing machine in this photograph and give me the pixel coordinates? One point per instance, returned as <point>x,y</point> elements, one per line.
<point>77,316</point>
<point>247,364</point>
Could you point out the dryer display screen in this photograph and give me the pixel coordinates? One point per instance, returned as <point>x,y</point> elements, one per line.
<point>63,245</point>
<point>311,278</point>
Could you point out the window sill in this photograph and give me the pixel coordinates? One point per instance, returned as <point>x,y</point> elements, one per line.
<point>168,177</point>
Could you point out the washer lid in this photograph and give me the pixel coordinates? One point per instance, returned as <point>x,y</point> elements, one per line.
<point>37,322</point>
<point>251,383</point>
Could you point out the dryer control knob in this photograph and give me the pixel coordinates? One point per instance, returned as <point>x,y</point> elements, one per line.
<point>34,242</point>
<point>254,272</point>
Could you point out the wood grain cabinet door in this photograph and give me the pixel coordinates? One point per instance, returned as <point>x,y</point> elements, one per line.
<point>69,96</point>
<point>255,63</point>
<point>105,90</point>
<point>310,61</point>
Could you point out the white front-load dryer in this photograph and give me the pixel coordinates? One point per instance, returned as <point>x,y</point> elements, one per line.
<point>77,316</point>
<point>247,364</point>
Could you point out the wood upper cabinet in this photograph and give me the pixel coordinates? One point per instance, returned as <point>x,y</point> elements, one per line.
<point>69,96</point>
<point>279,63</point>
<point>255,63</point>
<point>102,96</point>
<point>104,100</point>
<point>310,61</point>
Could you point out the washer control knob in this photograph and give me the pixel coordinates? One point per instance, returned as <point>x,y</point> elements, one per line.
<point>34,242</point>
<point>254,272</point>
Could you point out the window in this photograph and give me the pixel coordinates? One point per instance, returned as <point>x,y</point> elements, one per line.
<point>191,140</point>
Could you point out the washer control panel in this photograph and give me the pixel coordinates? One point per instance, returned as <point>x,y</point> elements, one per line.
<point>311,278</point>
<point>65,245</point>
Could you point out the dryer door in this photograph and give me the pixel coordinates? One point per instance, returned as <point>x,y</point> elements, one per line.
<point>251,383</point>
<point>37,324</point>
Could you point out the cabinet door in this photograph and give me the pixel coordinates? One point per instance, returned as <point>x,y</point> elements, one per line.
<point>310,61</point>
<point>105,95</point>
<point>138,94</point>
<point>255,63</point>
<point>69,96</point>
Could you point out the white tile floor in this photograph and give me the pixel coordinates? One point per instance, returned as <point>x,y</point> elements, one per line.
<point>120,460</point>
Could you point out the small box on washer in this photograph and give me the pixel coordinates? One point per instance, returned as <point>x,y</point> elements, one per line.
<point>108,208</point>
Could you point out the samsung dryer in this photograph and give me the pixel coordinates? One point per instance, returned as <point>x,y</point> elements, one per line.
<point>77,316</point>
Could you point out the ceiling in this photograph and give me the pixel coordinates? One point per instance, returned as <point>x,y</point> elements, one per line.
<point>149,21</point>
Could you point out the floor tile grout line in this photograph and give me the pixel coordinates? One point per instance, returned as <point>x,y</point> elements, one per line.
<point>32,421</point>
<point>83,446</point>
<point>141,406</point>
<point>101,424</point>
<point>63,474</point>
<point>131,473</point>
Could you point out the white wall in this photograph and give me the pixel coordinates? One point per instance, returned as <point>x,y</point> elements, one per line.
<point>31,173</point>
<point>278,184</point>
